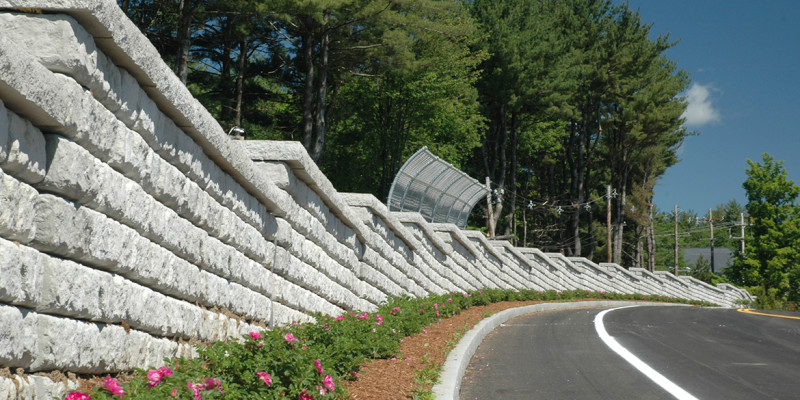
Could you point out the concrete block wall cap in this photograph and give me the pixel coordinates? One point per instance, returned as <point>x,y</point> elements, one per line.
<point>376,207</point>
<point>592,265</point>
<point>129,49</point>
<point>481,238</point>
<point>457,234</point>
<point>457,361</point>
<point>417,219</point>
<point>570,263</point>
<point>706,285</point>
<point>294,154</point>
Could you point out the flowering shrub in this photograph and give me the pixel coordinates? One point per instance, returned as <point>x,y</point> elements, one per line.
<point>304,361</point>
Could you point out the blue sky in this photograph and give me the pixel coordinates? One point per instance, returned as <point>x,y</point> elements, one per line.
<point>743,58</point>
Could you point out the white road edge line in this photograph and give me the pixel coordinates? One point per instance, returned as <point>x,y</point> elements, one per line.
<point>649,372</point>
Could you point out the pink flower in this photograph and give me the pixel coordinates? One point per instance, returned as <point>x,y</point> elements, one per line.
<point>328,382</point>
<point>339,318</point>
<point>290,338</point>
<point>422,311</point>
<point>449,299</point>
<point>437,313</point>
<point>395,310</point>
<point>379,319</point>
<point>196,387</point>
<point>318,364</point>
<point>265,377</point>
<point>77,396</point>
<point>213,383</point>
<point>154,377</point>
<point>321,390</point>
<point>364,316</point>
<point>174,392</point>
<point>435,306</point>
<point>305,396</point>
<point>113,386</point>
<point>255,335</point>
<point>355,374</point>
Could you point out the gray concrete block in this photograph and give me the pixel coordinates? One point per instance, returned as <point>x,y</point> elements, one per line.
<point>23,149</point>
<point>21,268</point>
<point>8,390</point>
<point>18,337</point>
<point>16,209</point>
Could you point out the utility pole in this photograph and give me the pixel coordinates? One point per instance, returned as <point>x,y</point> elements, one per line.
<point>711,220</point>
<point>676,240</point>
<point>741,226</point>
<point>608,221</point>
<point>490,212</point>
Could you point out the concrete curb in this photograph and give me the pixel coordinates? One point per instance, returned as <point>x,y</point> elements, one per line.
<point>457,361</point>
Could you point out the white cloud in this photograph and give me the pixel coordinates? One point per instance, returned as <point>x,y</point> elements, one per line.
<point>700,110</point>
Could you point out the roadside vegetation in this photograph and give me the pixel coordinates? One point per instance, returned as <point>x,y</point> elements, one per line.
<point>310,361</point>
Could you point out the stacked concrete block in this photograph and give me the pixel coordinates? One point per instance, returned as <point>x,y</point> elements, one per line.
<point>532,271</point>
<point>654,284</point>
<point>703,291</point>
<point>573,276</point>
<point>39,342</point>
<point>600,276</point>
<point>54,286</point>
<point>339,231</point>
<point>435,251</point>
<point>582,273</point>
<point>734,295</point>
<point>484,269</point>
<point>130,223</point>
<point>32,387</point>
<point>510,273</point>
<point>626,281</point>
<point>548,271</point>
<point>402,242</point>
<point>679,287</point>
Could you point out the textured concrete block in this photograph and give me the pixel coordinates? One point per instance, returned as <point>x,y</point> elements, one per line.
<point>5,127</point>
<point>8,390</point>
<point>24,150</point>
<point>68,48</point>
<point>18,337</point>
<point>16,209</point>
<point>21,268</point>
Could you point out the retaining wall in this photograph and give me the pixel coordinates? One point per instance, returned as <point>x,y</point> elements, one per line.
<point>131,225</point>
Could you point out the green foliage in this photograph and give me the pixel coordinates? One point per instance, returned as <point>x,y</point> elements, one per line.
<point>772,257</point>
<point>308,358</point>
<point>553,100</point>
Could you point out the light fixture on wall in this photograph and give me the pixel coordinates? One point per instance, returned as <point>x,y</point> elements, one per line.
<point>236,133</point>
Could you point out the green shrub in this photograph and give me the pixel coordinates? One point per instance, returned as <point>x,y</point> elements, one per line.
<point>304,360</point>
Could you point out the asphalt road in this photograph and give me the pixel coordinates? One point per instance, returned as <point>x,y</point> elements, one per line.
<point>709,353</point>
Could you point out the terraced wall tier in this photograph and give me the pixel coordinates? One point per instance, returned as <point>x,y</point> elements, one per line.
<point>132,226</point>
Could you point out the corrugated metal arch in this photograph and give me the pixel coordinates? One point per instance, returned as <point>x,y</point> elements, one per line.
<point>434,188</point>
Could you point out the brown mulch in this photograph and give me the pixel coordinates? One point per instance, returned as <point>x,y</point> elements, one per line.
<point>394,379</point>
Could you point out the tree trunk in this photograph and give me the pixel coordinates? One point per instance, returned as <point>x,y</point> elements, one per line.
<point>225,71</point>
<point>185,12</point>
<point>318,144</point>
<point>651,241</point>
<point>308,99</point>
<point>512,184</point>
<point>619,223</point>
<point>237,118</point>
<point>578,177</point>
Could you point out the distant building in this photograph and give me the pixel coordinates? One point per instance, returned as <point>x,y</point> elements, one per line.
<point>723,256</point>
